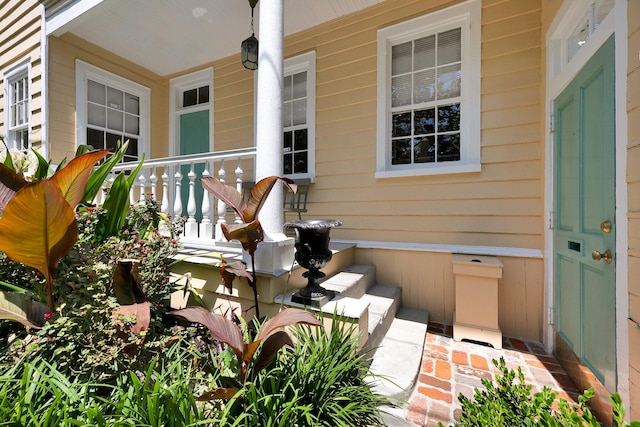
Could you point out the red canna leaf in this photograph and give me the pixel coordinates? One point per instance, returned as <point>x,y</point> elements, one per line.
<point>229,195</point>
<point>72,178</point>
<point>38,227</point>
<point>288,316</point>
<point>260,192</point>
<point>270,349</point>
<point>10,183</point>
<point>217,394</point>
<point>220,328</point>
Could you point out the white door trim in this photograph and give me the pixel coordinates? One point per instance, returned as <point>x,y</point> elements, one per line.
<point>176,86</point>
<point>558,77</point>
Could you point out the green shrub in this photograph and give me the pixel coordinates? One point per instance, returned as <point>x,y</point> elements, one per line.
<point>37,394</point>
<point>81,336</point>
<point>321,382</point>
<point>509,402</point>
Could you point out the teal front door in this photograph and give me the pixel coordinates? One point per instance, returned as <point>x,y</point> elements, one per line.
<point>584,226</point>
<point>194,138</point>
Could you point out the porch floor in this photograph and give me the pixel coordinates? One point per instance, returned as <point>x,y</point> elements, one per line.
<point>450,368</point>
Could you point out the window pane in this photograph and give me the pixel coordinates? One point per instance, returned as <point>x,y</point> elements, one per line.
<point>288,141</point>
<point>401,90</point>
<point>401,124</point>
<point>114,119</point>
<point>97,115</point>
<point>287,164</point>
<point>300,85</point>
<point>449,148</point>
<point>115,98</point>
<point>424,86</point>
<point>95,138</point>
<point>449,79</point>
<point>424,52</point>
<point>287,91</point>
<point>96,92</point>
<point>132,104</point>
<point>286,114</point>
<point>189,97</point>
<point>300,142</point>
<point>449,118</point>
<point>425,122</point>
<point>300,162</point>
<point>112,141</point>
<point>401,58</point>
<point>131,124</point>
<point>300,111</point>
<point>401,152</point>
<point>132,149</point>
<point>424,149</point>
<point>203,95</point>
<point>449,47</point>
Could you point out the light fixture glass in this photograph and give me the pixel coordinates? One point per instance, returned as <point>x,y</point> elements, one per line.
<point>249,46</point>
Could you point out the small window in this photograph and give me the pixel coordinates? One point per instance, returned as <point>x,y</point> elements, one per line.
<point>111,110</point>
<point>195,96</point>
<point>428,94</point>
<point>17,109</point>
<point>591,20</point>
<point>299,116</point>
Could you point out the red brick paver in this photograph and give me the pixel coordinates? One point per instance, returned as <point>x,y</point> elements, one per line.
<point>449,368</point>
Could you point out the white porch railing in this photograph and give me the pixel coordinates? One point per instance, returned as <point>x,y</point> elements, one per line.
<point>173,181</point>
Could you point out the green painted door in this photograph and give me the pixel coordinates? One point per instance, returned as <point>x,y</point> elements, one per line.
<point>194,138</point>
<point>584,229</point>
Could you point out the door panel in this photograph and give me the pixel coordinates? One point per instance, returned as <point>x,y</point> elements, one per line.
<point>584,195</point>
<point>194,138</point>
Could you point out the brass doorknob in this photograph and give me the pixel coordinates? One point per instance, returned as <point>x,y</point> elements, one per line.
<point>605,226</point>
<point>606,256</point>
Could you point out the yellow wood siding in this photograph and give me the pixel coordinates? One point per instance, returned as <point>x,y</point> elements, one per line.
<point>20,40</point>
<point>633,181</point>
<point>483,208</point>
<point>63,53</point>
<point>428,283</point>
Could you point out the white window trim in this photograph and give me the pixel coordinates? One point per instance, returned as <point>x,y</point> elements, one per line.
<point>18,70</point>
<point>306,62</point>
<point>84,72</point>
<point>466,15</point>
<point>178,85</point>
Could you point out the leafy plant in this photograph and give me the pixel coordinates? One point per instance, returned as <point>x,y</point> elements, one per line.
<point>49,232</point>
<point>249,233</point>
<point>321,382</point>
<point>510,402</point>
<point>269,338</point>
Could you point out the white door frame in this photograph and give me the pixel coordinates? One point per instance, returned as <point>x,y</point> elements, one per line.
<point>559,74</point>
<point>176,86</point>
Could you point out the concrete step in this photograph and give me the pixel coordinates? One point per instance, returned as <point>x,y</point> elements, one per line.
<point>396,362</point>
<point>384,302</point>
<point>352,282</point>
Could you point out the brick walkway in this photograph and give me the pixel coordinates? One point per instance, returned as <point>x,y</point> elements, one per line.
<point>450,368</point>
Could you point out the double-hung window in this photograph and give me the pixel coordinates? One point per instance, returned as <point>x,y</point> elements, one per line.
<point>298,119</point>
<point>17,107</point>
<point>111,110</point>
<point>429,94</point>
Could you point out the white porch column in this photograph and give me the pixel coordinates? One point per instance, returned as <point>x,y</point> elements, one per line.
<point>276,252</point>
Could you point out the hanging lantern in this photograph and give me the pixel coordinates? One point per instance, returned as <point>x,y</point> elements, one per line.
<point>249,46</point>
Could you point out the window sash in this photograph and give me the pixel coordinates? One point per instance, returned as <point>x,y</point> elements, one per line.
<point>411,50</point>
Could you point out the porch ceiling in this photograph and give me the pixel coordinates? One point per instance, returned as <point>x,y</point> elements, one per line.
<point>169,36</point>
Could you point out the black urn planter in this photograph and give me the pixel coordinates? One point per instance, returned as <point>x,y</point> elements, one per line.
<point>313,253</point>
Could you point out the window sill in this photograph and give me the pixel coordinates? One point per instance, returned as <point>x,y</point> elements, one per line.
<point>431,170</point>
